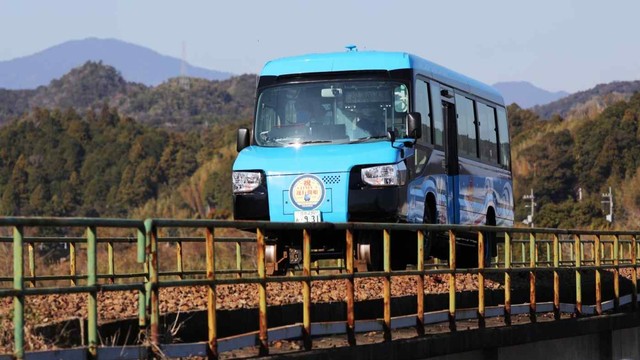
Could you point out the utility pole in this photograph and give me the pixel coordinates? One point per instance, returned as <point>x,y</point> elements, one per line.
<point>608,200</point>
<point>532,206</point>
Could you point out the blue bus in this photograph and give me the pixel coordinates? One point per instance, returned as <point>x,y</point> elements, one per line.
<point>364,136</point>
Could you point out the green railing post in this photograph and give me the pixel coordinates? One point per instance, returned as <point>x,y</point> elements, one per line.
<point>152,287</point>
<point>142,246</point>
<point>18,299</point>
<point>142,302</point>
<point>571,253</point>
<point>547,245</point>
<point>92,311</point>
<point>239,259</point>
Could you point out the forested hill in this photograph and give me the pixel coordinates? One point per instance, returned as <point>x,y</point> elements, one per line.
<point>556,158</point>
<point>176,104</point>
<point>93,144</point>
<point>61,163</point>
<point>589,103</point>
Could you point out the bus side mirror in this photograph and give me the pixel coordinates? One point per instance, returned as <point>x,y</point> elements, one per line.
<point>243,139</point>
<point>414,125</point>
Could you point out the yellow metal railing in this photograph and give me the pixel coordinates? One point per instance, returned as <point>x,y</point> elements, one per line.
<point>536,252</point>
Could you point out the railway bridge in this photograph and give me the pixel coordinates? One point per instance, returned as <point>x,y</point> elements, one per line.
<point>555,293</point>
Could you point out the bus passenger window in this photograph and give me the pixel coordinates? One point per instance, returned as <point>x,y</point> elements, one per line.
<point>488,133</point>
<point>438,122</point>
<point>438,131</point>
<point>422,106</point>
<point>503,136</point>
<point>466,127</point>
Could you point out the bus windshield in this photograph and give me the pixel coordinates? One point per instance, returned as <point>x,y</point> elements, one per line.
<point>330,112</point>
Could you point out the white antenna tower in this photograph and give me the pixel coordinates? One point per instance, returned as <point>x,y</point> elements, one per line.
<point>183,80</point>
<point>608,199</point>
<point>531,197</point>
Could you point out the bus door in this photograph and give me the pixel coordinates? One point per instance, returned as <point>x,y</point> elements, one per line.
<point>451,153</point>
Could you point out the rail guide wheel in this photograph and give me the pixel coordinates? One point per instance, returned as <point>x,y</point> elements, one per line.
<point>271,259</point>
<point>363,257</point>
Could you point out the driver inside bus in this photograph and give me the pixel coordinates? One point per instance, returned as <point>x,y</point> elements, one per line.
<point>362,123</point>
<point>308,109</point>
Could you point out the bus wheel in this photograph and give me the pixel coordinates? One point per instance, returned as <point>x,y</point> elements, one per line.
<point>369,249</point>
<point>435,244</point>
<point>490,247</point>
<point>467,254</point>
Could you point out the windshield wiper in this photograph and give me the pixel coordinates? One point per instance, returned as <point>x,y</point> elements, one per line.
<point>362,139</point>
<point>315,141</point>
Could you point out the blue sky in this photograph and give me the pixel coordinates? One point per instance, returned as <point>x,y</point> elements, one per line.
<point>555,44</point>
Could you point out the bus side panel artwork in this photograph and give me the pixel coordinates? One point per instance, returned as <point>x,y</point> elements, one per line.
<point>481,190</point>
<point>434,183</point>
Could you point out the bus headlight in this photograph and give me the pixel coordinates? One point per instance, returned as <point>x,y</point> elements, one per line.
<point>246,181</point>
<point>385,175</point>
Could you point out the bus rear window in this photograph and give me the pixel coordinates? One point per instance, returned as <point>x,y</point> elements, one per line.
<point>503,135</point>
<point>488,132</point>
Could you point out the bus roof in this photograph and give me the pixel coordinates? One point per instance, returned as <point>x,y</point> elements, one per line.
<point>378,60</point>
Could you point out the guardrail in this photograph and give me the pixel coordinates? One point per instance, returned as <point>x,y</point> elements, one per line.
<point>551,251</point>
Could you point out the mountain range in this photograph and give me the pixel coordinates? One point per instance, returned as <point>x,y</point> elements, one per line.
<point>139,64</point>
<point>135,63</point>
<point>525,94</point>
<point>176,104</point>
<point>589,103</point>
<point>142,83</point>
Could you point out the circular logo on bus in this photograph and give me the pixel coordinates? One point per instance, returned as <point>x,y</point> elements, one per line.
<point>307,192</point>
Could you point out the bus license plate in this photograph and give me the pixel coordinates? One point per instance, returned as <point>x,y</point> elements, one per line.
<point>307,216</point>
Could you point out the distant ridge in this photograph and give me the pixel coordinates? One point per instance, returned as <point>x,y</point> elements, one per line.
<point>589,103</point>
<point>525,94</point>
<point>135,63</point>
<point>94,85</point>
